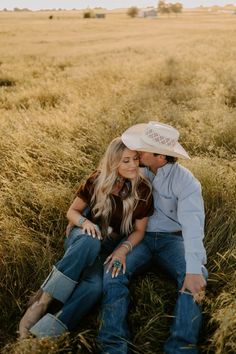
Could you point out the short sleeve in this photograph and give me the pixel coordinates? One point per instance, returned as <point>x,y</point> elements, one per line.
<point>85,191</point>
<point>145,207</point>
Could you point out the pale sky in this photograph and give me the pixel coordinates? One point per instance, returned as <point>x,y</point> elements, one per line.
<point>109,4</point>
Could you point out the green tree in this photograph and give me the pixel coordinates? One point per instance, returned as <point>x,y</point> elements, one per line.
<point>176,8</point>
<point>163,7</point>
<point>132,11</point>
<point>88,14</point>
<point>167,8</point>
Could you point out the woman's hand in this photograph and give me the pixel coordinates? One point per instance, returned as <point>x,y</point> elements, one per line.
<point>116,261</point>
<point>91,229</point>
<point>74,215</point>
<point>69,227</point>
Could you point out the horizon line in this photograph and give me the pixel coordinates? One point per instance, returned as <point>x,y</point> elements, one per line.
<point>104,8</point>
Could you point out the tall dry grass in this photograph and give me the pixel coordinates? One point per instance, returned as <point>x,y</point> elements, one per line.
<point>67,87</point>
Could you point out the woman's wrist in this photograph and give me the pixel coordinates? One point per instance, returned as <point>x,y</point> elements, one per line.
<point>128,245</point>
<point>81,220</point>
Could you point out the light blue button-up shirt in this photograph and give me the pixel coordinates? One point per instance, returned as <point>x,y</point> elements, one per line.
<point>178,205</point>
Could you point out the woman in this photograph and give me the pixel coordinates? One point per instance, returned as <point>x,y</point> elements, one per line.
<point>119,200</point>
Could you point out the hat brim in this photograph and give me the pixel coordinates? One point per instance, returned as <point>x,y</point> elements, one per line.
<point>132,138</point>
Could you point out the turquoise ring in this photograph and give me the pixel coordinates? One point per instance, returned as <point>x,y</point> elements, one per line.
<point>117,264</point>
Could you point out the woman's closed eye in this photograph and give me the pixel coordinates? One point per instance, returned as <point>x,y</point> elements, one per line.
<point>127,160</point>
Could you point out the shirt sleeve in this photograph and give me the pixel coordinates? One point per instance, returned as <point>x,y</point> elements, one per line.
<point>190,212</point>
<point>145,205</point>
<point>85,191</point>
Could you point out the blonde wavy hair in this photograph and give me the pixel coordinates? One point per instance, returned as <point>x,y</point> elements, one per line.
<point>102,200</point>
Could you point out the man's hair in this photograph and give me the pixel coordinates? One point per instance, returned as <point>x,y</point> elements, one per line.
<point>169,159</point>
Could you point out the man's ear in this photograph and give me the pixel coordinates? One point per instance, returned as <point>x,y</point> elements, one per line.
<point>162,157</point>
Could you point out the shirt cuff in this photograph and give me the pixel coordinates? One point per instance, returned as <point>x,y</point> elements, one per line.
<point>193,263</point>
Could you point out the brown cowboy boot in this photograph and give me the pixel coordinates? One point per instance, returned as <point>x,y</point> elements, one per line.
<point>33,314</point>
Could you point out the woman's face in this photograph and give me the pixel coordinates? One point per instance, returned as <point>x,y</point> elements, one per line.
<point>129,165</point>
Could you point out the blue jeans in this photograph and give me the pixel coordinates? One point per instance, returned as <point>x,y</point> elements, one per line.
<point>89,289</point>
<point>167,251</point>
<point>76,281</point>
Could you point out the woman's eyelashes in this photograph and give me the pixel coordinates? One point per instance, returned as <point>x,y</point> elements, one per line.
<point>130,159</point>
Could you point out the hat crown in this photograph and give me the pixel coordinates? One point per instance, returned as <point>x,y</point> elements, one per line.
<point>160,134</point>
<point>154,137</point>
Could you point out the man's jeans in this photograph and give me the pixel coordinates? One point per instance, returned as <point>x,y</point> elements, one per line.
<point>166,250</point>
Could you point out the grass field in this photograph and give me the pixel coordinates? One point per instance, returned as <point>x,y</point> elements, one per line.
<point>67,87</point>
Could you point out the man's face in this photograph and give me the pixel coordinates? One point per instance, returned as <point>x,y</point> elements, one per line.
<point>146,158</point>
<point>152,161</point>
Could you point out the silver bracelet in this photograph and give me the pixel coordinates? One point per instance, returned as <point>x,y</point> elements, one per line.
<point>129,244</point>
<point>126,246</point>
<point>81,221</point>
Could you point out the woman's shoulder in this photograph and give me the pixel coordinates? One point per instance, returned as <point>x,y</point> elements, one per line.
<point>93,176</point>
<point>88,185</point>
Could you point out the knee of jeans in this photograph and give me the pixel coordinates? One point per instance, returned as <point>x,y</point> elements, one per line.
<point>109,282</point>
<point>96,287</point>
<point>74,235</point>
<point>90,243</point>
<point>75,231</point>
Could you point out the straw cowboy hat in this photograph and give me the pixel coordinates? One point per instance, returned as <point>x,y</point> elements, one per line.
<point>154,137</point>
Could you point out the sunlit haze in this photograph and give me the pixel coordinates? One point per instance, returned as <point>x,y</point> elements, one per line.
<point>70,4</point>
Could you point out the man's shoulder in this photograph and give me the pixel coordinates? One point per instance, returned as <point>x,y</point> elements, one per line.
<point>180,170</point>
<point>183,178</point>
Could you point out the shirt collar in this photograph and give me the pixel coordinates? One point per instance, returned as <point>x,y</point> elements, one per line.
<point>161,172</point>
<point>164,170</point>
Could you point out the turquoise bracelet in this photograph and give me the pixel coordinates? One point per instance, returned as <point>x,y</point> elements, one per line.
<point>81,220</point>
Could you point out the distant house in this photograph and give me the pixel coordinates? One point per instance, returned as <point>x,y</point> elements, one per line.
<point>226,11</point>
<point>150,13</point>
<point>100,15</point>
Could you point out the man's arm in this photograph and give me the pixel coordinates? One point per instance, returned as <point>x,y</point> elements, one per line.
<point>191,216</point>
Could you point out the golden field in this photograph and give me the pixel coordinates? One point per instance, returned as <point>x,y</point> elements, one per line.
<point>67,87</point>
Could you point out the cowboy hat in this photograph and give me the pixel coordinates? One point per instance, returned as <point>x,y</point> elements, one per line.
<point>154,137</point>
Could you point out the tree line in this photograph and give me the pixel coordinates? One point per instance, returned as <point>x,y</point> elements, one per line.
<point>167,8</point>
<point>162,8</point>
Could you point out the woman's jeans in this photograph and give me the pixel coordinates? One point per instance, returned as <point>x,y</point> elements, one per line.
<point>167,251</point>
<point>76,281</point>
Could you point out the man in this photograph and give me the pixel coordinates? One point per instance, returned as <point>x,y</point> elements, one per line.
<point>173,240</point>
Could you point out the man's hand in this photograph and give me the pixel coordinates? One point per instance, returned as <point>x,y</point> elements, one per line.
<point>195,283</point>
